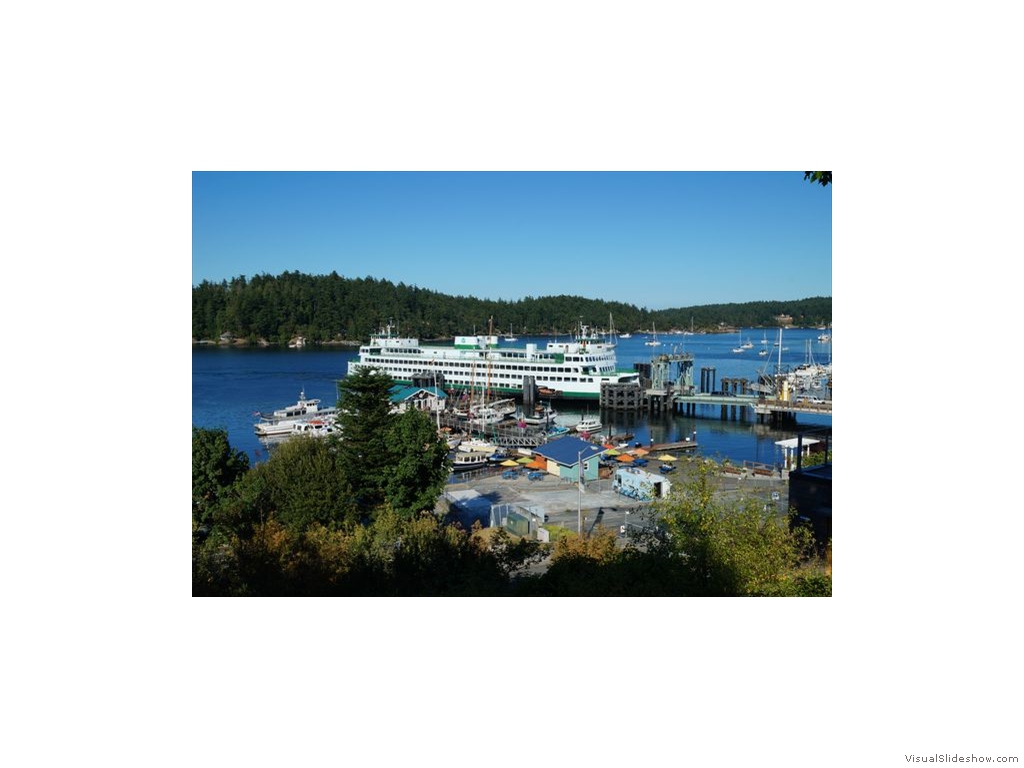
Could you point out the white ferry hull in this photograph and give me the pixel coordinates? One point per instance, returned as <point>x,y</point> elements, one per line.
<point>563,370</point>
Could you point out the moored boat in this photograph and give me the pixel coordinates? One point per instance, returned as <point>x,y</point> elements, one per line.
<point>476,445</point>
<point>463,460</point>
<point>570,369</point>
<point>541,415</point>
<point>314,428</point>
<point>281,421</point>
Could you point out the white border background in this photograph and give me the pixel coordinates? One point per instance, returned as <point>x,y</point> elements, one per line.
<point>113,106</point>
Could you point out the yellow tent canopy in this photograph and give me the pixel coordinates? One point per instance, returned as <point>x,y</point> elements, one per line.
<point>667,457</point>
<point>509,463</point>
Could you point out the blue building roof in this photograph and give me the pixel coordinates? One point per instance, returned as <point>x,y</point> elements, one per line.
<point>566,450</point>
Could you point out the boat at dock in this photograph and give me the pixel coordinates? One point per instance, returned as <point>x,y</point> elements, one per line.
<point>541,415</point>
<point>314,428</point>
<point>589,424</point>
<point>463,461</point>
<point>477,445</point>
<point>567,369</point>
<point>282,421</point>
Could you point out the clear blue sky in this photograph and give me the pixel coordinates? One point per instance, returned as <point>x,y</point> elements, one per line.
<point>652,239</point>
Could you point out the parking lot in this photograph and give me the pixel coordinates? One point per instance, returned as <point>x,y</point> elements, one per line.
<point>562,504</point>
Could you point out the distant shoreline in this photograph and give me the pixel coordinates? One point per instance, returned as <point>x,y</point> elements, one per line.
<point>357,344</point>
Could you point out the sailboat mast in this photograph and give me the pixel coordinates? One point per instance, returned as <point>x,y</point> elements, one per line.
<point>490,331</point>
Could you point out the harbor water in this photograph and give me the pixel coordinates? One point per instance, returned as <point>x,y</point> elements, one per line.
<point>231,385</point>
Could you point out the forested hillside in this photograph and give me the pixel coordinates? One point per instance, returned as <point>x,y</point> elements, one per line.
<point>334,308</point>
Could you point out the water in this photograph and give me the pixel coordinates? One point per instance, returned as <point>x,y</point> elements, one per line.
<point>230,384</point>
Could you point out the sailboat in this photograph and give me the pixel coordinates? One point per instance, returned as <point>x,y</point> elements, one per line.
<point>740,348</point>
<point>611,330</point>
<point>510,336</point>
<point>763,352</point>
<point>654,342</point>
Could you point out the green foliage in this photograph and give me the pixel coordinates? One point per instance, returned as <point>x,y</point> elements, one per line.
<point>303,483</point>
<point>731,548</point>
<point>419,464</point>
<point>391,556</point>
<point>331,308</point>
<point>818,177</point>
<point>215,469</point>
<point>366,425</point>
<point>295,525</point>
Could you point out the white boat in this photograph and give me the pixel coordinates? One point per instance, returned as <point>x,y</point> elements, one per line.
<point>314,428</point>
<point>541,415</point>
<point>626,335</point>
<point>589,424</point>
<point>574,369</point>
<point>281,421</point>
<point>763,352</point>
<point>488,414</point>
<point>476,445</point>
<point>462,461</point>
<point>510,336</point>
<point>653,342</point>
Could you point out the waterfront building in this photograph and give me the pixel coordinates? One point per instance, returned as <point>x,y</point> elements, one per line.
<point>430,399</point>
<point>563,457</point>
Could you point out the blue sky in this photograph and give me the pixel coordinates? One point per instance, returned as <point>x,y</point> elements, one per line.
<point>652,239</point>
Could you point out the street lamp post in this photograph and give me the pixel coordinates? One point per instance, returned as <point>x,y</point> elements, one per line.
<point>579,482</point>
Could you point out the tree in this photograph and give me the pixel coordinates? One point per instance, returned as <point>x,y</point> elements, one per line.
<point>303,483</point>
<point>735,548</point>
<point>216,467</point>
<point>821,177</point>
<point>365,421</point>
<point>419,464</point>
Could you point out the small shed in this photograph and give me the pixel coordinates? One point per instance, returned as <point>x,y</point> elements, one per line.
<point>794,445</point>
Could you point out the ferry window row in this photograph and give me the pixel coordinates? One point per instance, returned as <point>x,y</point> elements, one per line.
<point>398,364</point>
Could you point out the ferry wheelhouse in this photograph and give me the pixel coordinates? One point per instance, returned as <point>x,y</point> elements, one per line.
<point>570,370</point>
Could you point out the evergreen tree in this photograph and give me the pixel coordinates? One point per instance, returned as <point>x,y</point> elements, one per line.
<point>366,424</point>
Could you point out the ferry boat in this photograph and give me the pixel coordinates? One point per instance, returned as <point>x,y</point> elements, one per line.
<point>572,370</point>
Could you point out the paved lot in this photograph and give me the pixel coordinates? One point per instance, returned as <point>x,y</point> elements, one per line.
<point>564,505</point>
